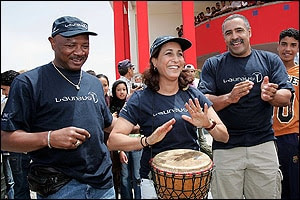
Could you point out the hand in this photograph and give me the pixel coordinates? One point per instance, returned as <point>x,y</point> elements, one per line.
<point>123,157</point>
<point>160,132</point>
<point>68,138</point>
<point>239,90</point>
<point>115,114</point>
<point>268,90</point>
<point>198,117</point>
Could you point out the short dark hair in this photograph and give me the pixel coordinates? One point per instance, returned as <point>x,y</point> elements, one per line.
<point>123,71</point>
<point>8,77</point>
<point>91,72</point>
<point>231,17</point>
<point>290,32</point>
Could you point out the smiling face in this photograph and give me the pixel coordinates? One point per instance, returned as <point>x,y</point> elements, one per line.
<point>287,49</point>
<point>170,61</point>
<point>121,91</point>
<point>237,37</point>
<point>70,53</point>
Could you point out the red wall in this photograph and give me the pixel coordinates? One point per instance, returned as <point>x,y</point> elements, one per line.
<point>266,22</point>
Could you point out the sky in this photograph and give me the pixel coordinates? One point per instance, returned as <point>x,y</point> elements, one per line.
<point>26,26</point>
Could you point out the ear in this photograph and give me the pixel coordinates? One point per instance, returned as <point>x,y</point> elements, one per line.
<point>52,42</point>
<point>250,32</point>
<point>154,61</point>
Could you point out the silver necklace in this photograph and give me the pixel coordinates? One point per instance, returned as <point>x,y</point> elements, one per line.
<point>76,86</point>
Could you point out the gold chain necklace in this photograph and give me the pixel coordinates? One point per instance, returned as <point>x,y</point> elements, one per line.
<point>76,86</point>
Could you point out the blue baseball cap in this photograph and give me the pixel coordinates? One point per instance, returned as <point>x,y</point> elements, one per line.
<point>184,43</point>
<point>68,26</point>
<point>124,64</point>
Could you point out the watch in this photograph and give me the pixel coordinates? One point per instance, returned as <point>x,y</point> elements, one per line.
<point>212,126</point>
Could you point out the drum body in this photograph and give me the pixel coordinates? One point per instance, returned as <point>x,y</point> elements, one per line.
<point>181,174</point>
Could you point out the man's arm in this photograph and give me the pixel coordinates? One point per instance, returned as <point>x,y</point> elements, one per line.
<point>22,141</point>
<point>271,94</point>
<point>238,91</point>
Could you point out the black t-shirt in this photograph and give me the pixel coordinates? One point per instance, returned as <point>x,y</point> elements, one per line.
<point>42,100</point>
<point>151,109</point>
<point>249,121</point>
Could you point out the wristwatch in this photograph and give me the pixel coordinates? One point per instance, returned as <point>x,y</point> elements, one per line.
<point>212,126</point>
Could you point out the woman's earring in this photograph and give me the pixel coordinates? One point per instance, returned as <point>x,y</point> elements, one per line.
<point>155,69</point>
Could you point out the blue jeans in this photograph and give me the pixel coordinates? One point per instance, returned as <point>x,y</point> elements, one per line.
<point>130,176</point>
<point>8,176</point>
<point>77,190</point>
<point>19,163</point>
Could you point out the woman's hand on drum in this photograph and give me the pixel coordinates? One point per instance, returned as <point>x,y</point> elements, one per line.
<point>198,117</point>
<point>160,132</point>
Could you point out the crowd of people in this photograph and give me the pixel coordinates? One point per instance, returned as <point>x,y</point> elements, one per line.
<point>83,140</point>
<point>223,7</point>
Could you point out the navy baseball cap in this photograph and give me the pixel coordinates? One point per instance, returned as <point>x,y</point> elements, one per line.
<point>125,64</point>
<point>184,43</point>
<point>68,26</point>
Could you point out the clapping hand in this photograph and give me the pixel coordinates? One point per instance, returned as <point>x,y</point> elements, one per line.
<point>268,90</point>
<point>198,117</point>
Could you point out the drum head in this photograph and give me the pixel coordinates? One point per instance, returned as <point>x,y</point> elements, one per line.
<point>182,161</point>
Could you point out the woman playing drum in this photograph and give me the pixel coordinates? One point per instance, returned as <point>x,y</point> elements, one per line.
<point>167,110</point>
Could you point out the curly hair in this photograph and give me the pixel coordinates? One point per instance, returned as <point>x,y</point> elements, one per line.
<point>151,75</point>
<point>8,77</point>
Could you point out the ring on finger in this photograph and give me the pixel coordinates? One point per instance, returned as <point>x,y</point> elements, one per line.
<point>77,143</point>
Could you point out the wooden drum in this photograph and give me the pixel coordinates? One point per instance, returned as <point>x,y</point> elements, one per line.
<point>181,174</point>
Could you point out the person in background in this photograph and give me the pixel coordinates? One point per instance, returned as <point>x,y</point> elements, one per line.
<point>105,83</point>
<point>138,81</point>
<point>91,72</point>
<point>7,78</point>
<point>127,163</point>
<point>179,31</point>
<point>19,162</point>
<point>286,119</point>
<point>57,113</point>
<point>138,78</point>
<point>224,8</point>
<point>208,13</point>
<point>189,74</point>
<point>244,84</point>
<point>117,101</point>
<point>167,111</point>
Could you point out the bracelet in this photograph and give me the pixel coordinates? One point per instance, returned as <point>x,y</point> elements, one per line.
<point>49,134</point>
<point>212,126</point>
<point>142,141</point>
<point>147,142</point>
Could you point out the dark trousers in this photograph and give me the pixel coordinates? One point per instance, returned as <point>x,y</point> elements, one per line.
<point>288,155</point>
<point>19,163</point>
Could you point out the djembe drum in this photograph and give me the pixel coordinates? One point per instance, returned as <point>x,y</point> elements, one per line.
<point>181,174</point>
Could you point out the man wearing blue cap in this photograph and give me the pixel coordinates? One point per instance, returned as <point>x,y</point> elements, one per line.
<point>57,113</point>
<point>125,69</point>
